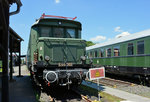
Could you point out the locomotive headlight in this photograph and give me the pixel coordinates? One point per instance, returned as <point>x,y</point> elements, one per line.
<point>47,58</point>
<point>83,58</point>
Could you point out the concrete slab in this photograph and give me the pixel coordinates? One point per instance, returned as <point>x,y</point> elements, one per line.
<point>21,89</point>
<point>122,94</point>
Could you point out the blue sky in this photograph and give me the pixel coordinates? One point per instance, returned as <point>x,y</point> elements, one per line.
<point>101,20</point>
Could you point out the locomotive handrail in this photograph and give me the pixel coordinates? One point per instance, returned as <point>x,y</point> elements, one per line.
<point>43,16</point>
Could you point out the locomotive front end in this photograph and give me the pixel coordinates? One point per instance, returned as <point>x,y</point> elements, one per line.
<point>63,60</point>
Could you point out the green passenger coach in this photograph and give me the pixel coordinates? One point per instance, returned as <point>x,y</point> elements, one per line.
<point>128,55</point>
<point>56,52</point>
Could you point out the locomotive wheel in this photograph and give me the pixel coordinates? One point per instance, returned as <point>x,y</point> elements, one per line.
<point>148,81</point>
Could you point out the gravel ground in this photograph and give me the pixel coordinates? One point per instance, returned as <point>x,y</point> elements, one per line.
<point>137,89</point>
<point>24,71</point>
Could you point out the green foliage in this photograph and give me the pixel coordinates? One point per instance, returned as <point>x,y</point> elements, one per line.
<point>89,43</point>
<point>0,66</point>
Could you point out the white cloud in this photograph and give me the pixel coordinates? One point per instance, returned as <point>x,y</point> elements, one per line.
<point>122,34</point>
<point>109,39</point>
<point>57,1</point>
<point>117,29</point>
<point>98,38</point>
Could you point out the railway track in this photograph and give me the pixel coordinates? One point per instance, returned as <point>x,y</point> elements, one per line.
<point>51,99</point>
<point>114,82</point>
<point>85,98</point>
<point>74,95</point>
<point>117,83</point>
<point>63,96</point>
<point>58,94</point>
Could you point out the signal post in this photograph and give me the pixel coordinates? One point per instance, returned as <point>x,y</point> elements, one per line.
<point>96,74</point>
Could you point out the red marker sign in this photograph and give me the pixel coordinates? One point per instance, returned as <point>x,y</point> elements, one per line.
<point>97,73</point>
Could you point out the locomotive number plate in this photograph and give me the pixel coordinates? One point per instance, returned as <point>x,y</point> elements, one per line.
<point>63,64</point>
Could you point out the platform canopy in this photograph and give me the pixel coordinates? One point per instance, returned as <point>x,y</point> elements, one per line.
<point>15,47</point>
<point>15,40</point>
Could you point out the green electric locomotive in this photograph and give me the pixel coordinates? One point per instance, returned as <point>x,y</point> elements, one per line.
<point>56,52</point>
<point>128,55</point>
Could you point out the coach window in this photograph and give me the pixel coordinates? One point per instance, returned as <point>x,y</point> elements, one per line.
<point>70,33</point>
<point>91,54</point>
<point>108,52</point>
<point>116,51</point>
<point>140,47</point>
<point>95,54</point>
<point>58,32</point>
<point>130,49</point>
<point>46,32</point>
<point>101,53</point>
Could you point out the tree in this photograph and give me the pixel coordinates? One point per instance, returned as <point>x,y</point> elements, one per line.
<point>89,43</point>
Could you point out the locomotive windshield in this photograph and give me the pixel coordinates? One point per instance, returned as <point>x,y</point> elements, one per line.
<point>46,32</point>
<point>60,32</point>
<point>70,33</point>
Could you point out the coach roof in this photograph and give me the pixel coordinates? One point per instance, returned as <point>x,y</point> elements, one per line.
<point>137,35</point>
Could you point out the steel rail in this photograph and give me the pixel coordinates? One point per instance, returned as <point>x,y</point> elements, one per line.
<point>85,98</point>
<point>116,82</point>
<point>120,81</point>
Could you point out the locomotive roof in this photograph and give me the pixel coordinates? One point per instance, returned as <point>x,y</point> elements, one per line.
<point>55,19</point>
<point>137,35</point>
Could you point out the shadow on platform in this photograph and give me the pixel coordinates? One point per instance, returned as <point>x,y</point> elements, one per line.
<point>21,90</point>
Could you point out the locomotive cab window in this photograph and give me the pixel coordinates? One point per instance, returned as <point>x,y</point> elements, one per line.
<point>140,47</point>
<point>79,34</point>
<point>58,32</point>
<point>130,49</point>
<point>70,33</point>
<point>46,32</point>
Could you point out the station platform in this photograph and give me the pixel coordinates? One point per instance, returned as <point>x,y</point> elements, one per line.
<point>129,97</point>
<point>20,88</point>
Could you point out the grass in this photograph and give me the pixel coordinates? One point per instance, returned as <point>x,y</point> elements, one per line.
<point>0,69</point>
<point>104,96</point>
<point>0,66</point>
<point>110,98</point>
